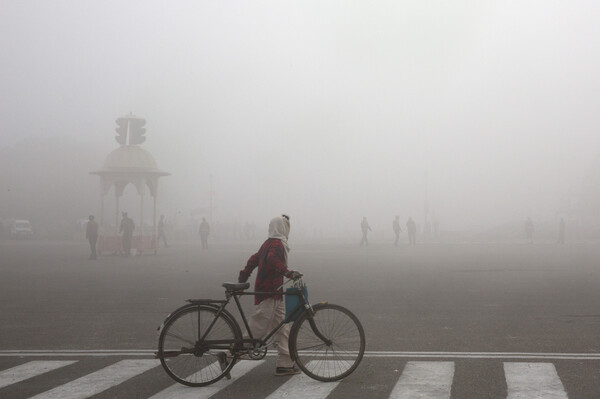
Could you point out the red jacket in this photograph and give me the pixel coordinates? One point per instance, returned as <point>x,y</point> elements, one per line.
<point>272,267</point>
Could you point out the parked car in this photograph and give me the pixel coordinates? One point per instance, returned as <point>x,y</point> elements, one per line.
<point>20,228</point>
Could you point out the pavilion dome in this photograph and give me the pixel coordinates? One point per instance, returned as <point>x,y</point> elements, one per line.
<point>130,158</point>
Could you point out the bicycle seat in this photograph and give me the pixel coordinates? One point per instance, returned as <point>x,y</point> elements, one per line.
<point>235,286</point>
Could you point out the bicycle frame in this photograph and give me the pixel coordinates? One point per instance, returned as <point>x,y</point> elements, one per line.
<point>210,340</point>
<point>302,306</point>
<point>240,344</point>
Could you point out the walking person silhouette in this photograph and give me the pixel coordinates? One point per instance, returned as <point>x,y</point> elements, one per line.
<point>365,228</point>
<point>397,229</point>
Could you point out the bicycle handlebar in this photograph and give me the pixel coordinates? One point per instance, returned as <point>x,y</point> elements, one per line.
<point>298,280</point>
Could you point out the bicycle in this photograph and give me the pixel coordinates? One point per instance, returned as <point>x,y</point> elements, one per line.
<point>199,343</point>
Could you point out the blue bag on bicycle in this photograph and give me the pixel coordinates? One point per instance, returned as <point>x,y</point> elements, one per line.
<point>292,301</point>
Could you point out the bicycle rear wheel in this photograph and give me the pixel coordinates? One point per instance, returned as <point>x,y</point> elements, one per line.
<point>184,358</point>
<point>339,355</point>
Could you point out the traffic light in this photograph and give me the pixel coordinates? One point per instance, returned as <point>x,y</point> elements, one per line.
<point>133,127</point>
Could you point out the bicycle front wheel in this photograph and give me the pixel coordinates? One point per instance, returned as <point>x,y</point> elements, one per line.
<point>183,355</point>
<point>329,344</point>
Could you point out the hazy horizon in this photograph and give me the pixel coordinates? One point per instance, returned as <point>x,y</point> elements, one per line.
<point>326,111</point>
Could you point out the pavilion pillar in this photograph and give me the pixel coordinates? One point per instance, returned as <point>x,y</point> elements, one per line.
<point>154,233</point>
<point>116,212</point>
<point>102,213</point>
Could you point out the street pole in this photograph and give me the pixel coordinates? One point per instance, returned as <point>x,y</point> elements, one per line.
<point>426,202</point>
<point>211,199</point>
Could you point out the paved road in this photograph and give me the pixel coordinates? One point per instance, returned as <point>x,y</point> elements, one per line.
<point>380,376</point>
<point>509,297</point>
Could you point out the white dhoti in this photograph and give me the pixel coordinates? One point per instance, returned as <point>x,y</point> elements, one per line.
<point>268,314</point>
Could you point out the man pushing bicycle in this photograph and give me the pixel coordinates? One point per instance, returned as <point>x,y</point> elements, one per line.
<point>271,260</point>
<point>199,343</point>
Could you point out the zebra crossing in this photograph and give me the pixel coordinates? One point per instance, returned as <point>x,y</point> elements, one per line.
<point>431,380</point>
<point>525,379</point>
<point>302,386</point>
<point>100,380</point>
<point>413,378</point>
<point>182,392</point>
<point>29,370</point>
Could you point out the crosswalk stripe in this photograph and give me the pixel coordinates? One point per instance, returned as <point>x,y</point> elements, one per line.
<point>431,380</point>
<point>180,391</point>
<point>29,370</point>
<point>533,380</point>
<point>100,380</point>
<point>302,386</point>
<point>367,354</point>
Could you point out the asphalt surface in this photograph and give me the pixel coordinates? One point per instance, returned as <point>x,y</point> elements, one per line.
<point>473,297</point>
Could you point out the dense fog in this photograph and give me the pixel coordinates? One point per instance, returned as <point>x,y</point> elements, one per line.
<point>476,114</point>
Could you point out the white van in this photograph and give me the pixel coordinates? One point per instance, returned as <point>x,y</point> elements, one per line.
<point>20,228</point>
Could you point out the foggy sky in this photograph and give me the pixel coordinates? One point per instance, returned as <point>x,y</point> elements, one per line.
<point>328,111</point>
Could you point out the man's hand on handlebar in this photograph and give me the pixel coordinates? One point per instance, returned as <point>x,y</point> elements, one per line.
<point>294,275</point>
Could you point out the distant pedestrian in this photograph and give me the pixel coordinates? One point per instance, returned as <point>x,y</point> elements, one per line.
<point>91,234</point>
<point>529,230</point>
<point>161,231</point>
<point>411,228</point>
<point>127,227</point>
<point>365,228</point>
<point>561,231</point>
<point>204,232</point>
<point>397,229</point>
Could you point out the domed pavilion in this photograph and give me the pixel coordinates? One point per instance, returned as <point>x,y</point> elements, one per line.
<point>129,164</point>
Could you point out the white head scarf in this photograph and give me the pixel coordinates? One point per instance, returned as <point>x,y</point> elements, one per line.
<point>279,227</point>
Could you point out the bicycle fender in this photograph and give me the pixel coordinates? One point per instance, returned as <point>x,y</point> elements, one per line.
<point>225,313</point>
<point>184,307</point>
